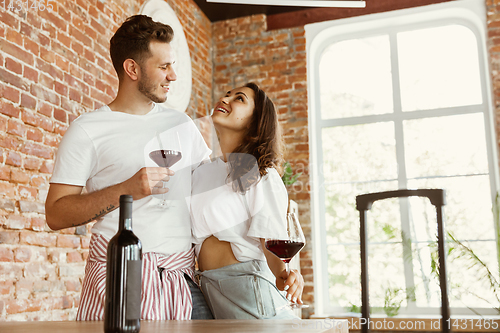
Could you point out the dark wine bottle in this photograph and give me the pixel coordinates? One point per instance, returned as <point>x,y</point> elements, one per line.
<point>122,310</point>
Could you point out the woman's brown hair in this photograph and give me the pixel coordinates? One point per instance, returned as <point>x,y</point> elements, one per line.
<point>262,146</point>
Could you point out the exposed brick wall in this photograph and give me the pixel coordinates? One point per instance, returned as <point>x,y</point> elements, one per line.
<point>493,44</point>
<point>53,67</point>
<point>276,60</point>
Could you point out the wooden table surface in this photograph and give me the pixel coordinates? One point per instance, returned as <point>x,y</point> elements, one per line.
<point>194,326</point>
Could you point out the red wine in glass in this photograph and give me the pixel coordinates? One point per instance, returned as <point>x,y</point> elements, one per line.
<point>284,249</point>
<point>165,158</point>
<point>287,246</point>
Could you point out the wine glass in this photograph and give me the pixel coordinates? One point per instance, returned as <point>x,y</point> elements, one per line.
<point>167,157</point>
<point>288,246</point>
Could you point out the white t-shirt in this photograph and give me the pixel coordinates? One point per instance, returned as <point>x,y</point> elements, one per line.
<point>104,148</point>
<point>218,210</point>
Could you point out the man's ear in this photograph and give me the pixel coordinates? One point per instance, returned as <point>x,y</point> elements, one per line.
<point>132,69</point>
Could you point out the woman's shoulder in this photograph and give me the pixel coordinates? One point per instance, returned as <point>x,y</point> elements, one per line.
<point>272,180</point>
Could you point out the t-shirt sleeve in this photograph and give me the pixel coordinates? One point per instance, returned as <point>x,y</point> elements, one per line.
<point>75,158</point>
<point>268,206</point>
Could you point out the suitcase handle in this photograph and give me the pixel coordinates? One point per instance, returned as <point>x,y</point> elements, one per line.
<point>363,203</point>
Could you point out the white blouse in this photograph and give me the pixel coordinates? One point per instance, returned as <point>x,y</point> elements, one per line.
<point>216,209</point>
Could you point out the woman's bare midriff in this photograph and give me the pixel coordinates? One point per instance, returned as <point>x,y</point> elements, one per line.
<point>215,254</point>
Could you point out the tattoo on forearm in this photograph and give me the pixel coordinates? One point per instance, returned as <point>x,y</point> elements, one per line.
<point>101,213</point>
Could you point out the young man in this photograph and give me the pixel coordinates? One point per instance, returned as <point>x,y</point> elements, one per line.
<point>107,152</point>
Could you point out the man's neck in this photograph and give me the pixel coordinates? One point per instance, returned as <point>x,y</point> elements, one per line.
<point>131,102</point>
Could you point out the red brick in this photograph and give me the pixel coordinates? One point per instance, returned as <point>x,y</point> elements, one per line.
<point>29,206</point>
<point>7,190</point>
<point>47,81</point>
<point>80,36</point>
<point>36,120</point>
<point>13,66</point>
<point>31,74</point>
<point>22,255</point>
<point>9,19</point>
<point>60,114</point>
<point>38,180</point>
<point>16,222</point>
<point>73,257</point>
<point>47,68</point>
<point>68,231</point>
<point>34,134</point>
<point>16,52</point>
<point>27,192</point>
<point>38,239</point>
<point>51,140</point>
<point>14,37</point>
<point>37,224</point>
<point>68,241</point>
<point>19,176</point>
<point>11,271</point>
<point>45,109</point>
<point>24,287</point>
<point>73,285</point>
<point>61,88</point>
<point>6,255</point>
<point>44,94</point>
<point>31,46</point>
<point>13,159</point>
<point>16,306</point>
<point>37,150</point>
<point>62,63</point>
<point>9,237</point>
<point>32,164</point>
<point>4,173</point>
<point>9,109</point>
<point>6,287</point>
<point>47,167</point>
<point>60,128</point>
<point>16,128</point>
<point>40,286</point>
<point>27,101</point>
<point>85,241</point>
<point>10,142</point>
<point>10,93</point>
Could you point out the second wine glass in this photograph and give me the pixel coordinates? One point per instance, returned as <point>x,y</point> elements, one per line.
<point>287,247</point>
<point>167,157</point>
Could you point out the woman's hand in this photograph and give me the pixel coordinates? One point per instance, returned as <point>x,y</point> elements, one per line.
<point>293,284</point>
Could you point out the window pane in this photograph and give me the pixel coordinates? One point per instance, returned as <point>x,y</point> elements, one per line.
<point>468,202</point>
<point>342,229</point>
<point>385,254</point>
<point>453,145</point>
<point>359,153</point>
<point>355,78</point>
<point>469,220</point>
<point>438,68</point>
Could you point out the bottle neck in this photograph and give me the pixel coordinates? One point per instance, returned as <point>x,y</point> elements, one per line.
<point>126,224</point>
<point>125,212</point>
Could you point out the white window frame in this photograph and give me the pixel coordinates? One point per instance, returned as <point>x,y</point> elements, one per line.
<point>469,13</point>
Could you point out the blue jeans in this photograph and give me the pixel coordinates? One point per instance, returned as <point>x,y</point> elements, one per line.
<point>200,307</point>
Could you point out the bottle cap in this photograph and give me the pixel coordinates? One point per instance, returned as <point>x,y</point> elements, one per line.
<point>126,198</point>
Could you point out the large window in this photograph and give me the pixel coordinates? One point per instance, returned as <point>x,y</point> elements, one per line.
<point>402,100</point>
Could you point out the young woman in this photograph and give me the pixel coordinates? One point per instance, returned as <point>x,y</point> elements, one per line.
<point>238,201</point>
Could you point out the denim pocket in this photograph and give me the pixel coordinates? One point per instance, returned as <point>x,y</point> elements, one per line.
<point>251,293</point>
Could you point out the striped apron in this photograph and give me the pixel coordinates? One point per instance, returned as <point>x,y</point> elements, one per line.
<point>165,291</point>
